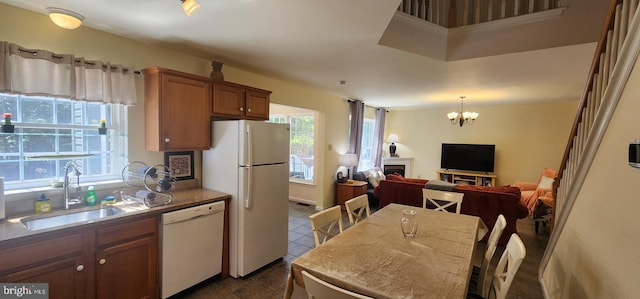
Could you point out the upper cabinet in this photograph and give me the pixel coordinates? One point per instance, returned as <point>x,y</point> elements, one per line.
<point>235,101</point>
<point>177,110</point>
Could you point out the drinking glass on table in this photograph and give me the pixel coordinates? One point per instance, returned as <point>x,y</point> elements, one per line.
<point>409,223</point>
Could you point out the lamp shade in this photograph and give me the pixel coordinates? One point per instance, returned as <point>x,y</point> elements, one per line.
<point>65,18</point>
<point>190,6</point>
<point>393,138</point>
<point>349,160</point>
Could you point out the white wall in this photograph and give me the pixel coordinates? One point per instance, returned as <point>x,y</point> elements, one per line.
<point>528,137</point>
<point>597,252</point>
<point>36,31</point>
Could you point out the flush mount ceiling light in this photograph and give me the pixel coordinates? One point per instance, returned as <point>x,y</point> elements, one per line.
<point>462,117</point>
<point>65,18</point>
<point>190,6</point>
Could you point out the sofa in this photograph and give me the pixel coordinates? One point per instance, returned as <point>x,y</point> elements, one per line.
<point>363,176</point>
<point>484,202</point>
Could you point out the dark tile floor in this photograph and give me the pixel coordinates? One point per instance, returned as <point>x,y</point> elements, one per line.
<point>269,281</point>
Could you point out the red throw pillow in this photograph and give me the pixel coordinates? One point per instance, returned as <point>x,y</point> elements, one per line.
<point>395,177</point>
<point>500,189</point>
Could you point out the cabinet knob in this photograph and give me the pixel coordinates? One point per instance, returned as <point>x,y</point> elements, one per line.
<point>249,110</point>
<point>79,268</point>
<point>102,261</point>
<point>241,108</point>
<point>166,140</point>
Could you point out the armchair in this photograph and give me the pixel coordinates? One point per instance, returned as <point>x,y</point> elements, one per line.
<point>530,192</point>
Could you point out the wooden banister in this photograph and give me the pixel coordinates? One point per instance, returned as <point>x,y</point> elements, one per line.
<point>595,67</point>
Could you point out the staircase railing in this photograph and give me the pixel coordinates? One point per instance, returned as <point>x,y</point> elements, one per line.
<point>454,13</point>
<point>616,53</point>
<point>608,50</point>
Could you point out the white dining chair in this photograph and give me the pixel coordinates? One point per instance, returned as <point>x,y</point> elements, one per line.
<point>358,208</point>
<point>506,269</point>
<point>479,274</point>
<point>442,199</point>
<point>319,289</point>
<point>323,224</point>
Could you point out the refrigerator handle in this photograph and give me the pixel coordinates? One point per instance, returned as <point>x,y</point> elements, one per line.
<point>248,186</point>
<point>249,145</point>
<point>247,199</point>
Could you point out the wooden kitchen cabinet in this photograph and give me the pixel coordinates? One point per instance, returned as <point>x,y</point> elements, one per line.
<point>107,261</point>
<point>235,101</point>
<point>177,110</point>
<point>58,260</point>
<point>127,260</point>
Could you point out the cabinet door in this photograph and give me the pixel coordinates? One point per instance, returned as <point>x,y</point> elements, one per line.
<point>128,270</point>
<point>65,277</point>
<point>257,105</point>
<point>184,123</point>
<point>57,259</point>
<point>228,101</point>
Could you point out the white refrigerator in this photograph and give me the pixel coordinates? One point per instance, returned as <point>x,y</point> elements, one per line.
<point>250,161</point>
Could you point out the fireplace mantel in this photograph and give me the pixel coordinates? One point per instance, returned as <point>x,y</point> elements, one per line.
<point>406,162</point>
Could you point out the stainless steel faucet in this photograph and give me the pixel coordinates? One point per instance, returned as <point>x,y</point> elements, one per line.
<point>78,198</point>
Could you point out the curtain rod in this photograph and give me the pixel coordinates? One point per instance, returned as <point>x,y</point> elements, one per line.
<point>78,60</point>
<point>374,107</point>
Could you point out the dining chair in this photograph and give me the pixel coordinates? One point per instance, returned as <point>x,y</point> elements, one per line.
<point>479,274</point>
<point>357,207</point>
<point>324,223</point>
<point>319,289</point>
<point>506,269</point>
<point>442,199</point>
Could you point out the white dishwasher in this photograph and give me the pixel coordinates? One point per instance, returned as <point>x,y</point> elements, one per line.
<point>191,246</point>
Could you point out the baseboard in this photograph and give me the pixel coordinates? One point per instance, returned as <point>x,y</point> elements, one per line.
<point>302,200</point>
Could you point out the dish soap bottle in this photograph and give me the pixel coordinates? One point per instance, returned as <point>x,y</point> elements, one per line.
<point>43,205</point>
<point>90,197</point>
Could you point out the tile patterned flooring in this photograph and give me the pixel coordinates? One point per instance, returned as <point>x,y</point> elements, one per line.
<point>269,281</point>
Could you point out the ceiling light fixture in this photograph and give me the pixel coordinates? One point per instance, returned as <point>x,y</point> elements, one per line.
<point>462,117</point>
<point>190,6</point>
<point>65,18</point>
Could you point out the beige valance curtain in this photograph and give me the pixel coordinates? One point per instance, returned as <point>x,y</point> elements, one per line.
<point>40,72</point>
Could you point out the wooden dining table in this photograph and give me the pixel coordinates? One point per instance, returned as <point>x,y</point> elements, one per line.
<point>373,257</point>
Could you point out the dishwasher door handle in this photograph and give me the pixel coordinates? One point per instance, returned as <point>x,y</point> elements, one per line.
<point>192,218</point>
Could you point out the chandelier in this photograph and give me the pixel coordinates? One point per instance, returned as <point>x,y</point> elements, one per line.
<point>462,117</point>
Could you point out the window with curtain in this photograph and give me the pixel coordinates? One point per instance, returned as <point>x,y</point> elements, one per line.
<point>49,132</point>
<point>302,143</point>
<point>57,102</point>
<point>366,149</point>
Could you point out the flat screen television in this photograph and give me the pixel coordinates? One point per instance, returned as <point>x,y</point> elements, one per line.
<point>471,157</point>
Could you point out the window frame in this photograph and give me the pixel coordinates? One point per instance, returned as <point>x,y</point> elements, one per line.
<point>366,146</point>
<point>283,113</point>
<point>109,152</point>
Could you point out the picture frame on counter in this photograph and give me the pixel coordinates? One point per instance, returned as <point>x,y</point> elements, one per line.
<point>180,164</point>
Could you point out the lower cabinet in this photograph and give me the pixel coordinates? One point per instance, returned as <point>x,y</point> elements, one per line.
<point>127,260</point>
<point>58,259</point>
<point>108,261</point>
<point>65,277</point>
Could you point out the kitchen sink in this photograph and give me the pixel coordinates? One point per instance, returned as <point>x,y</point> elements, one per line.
<point>38,222</point>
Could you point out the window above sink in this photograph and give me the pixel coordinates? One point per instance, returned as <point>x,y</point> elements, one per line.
<point>49,132</point>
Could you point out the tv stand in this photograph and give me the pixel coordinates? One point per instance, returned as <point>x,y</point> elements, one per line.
<point>467,178</point>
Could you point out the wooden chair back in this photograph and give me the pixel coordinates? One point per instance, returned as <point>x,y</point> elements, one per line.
<point>442,199</point>
<point>324,223</point>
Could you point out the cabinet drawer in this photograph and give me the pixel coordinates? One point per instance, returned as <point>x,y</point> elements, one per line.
<point>126,231</point>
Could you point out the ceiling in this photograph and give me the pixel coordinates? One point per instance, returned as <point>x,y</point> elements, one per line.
<point>386,59</point>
